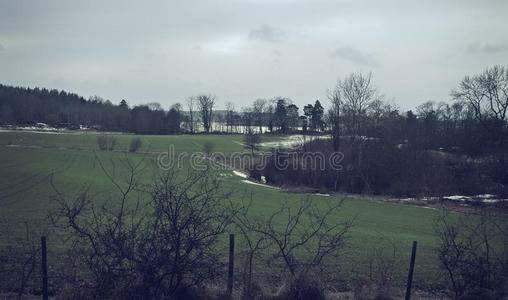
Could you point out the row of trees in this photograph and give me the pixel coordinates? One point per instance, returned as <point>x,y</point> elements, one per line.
<point>438,149</point>
<point>475,119</point>
<point>26,106</point>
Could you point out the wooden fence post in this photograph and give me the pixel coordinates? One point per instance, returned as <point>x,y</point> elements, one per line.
<point>44,265</point>
<point>411,270</point>
<point>231,263</point>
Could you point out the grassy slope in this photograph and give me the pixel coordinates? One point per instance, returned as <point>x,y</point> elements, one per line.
<point>25,191</point>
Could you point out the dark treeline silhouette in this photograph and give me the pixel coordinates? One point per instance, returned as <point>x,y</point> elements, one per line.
<point>21,106</point>
<point>26,106</point>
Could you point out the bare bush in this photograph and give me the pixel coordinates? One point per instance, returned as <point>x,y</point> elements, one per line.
<point>149,241</point>
<point>473,252</point>
<point>106,142</point>
<point>382,274</point>
<point>251,141</point>
<point>302,235</point>
<point>19,261</point>
<point>135,145</point>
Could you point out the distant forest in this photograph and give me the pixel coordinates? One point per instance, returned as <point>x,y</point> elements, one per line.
<point>27,106</point>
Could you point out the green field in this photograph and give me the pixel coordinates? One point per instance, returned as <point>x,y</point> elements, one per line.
<point>28,160</point>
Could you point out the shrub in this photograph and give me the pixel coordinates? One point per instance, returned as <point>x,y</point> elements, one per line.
<point>152,251</point>
<point>208,148</point>
<point>302,287</point>
<point>135,145</point>
<point>106,143</point>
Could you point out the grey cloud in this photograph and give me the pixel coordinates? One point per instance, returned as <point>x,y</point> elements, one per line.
<point>267,33</point>
<point>276,52</point>
<point>356,56</point>
<point>475,48</point>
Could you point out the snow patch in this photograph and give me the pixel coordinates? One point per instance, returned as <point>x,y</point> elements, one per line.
<point>241,174</point>
<point>428,207</point>
<point>260,184</point>
<point>293,141</point>
<point>483,198</point>
<point>457,198</point>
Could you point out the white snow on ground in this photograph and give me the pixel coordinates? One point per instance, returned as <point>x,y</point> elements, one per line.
<point>428,207</point>
<point>406,199</point>
<point>21,146</point>
<point>260,184</point>
<point>53,130</point>
<point>457,198</point>
<point>241,174</point>
<point>493,200</point>
<point>294,140</point>
<point>484,198</point>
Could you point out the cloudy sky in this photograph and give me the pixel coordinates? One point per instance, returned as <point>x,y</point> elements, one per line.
<point>240,50</point>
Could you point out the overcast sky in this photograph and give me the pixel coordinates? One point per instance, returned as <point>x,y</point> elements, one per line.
<point>166,51</point>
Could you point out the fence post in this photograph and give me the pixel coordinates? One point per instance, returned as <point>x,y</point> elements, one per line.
<point>44,263</point>
<point>231,263</point>
<point>411,270</point>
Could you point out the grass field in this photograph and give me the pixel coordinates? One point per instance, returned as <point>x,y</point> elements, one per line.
<point>29,159</point>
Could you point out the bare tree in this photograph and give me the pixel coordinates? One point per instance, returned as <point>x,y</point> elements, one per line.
<point>258,109</point>
<point>206,104</point>
<point>191,106</point>
<point>303,235</point>
<point>247,119</point>
<point>334,115</point>
<point>148,241</point>
<point>270,113</point>
<point>473,251</point>
<point>20,261</point>
<point>487,95</point>
<point>230,116</point>
<point>254,242</point>
<point>252,140</point>
<point>356,92</point>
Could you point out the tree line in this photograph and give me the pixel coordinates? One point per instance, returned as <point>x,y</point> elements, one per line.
<point>473,124</point>
<point>437,149</point>
<point>20,106</point>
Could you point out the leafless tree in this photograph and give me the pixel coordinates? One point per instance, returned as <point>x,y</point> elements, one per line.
<point>304,235</point>
<point>254,242</point>
<point>355,93</point>
<point>206,104</point>
<point>148,240</point>
<point>247,119</point>
<point>191,106</point>
<point>487,95</point>
<point>270,113</point>
<point>258,109</point>
<point>334,115</point>
<point>230,116</point>
<point>252,140</point>
<point>19,261</point>
<point>473,251</point>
